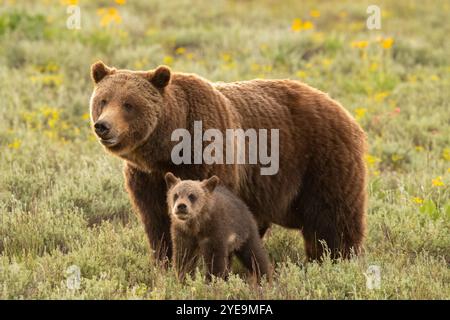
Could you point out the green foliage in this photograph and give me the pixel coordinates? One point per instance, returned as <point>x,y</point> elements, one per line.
<point>62,200</point>
<point>28,25</point>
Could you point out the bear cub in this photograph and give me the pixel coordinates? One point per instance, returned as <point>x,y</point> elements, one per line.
<point>209,221</point>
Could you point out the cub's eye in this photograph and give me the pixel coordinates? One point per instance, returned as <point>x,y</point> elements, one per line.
<point>128,106</point>
<point>175,197</point>
<point>192,197</point>
<point>102,103</point>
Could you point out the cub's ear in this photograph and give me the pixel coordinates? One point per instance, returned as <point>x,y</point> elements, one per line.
<point>171,179</point>
<point>160,78</point>
<point>211,183</point>
<point>99,70</point>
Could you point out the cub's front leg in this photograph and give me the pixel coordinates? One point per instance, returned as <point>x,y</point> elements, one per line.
<point>216,257</point>
<point>185,253</point>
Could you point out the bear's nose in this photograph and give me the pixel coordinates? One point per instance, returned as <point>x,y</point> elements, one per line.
<point>102,128</point>
<point>181,207</point>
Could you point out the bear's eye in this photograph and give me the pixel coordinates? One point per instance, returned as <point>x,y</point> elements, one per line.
<point>128,106</point>
<point>103,103</point>
<point>175,197</point>
<point>192,197</point>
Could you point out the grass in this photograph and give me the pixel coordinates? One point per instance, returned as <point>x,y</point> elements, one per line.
<point>62,200</point>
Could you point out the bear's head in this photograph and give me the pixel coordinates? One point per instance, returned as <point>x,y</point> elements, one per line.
<point>186,199</point>
<point>126,105</point>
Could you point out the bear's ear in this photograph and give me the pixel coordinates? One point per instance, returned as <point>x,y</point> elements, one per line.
<point>160,78</point>
<point>211,183</point>
<point>99,70</point>
<point>171,180</point>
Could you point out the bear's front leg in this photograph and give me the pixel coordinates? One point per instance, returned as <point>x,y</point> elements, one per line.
<point>147,192</point>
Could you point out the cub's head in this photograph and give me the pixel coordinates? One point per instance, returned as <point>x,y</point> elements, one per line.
<point>126,105</point>
<point>187,198</point>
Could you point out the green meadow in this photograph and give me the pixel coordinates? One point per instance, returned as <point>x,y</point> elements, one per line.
<point>62,200</point>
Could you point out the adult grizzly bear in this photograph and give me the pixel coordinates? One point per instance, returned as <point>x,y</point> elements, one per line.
<point>320,187</point>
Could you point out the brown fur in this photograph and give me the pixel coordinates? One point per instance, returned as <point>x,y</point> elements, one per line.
<point>320,188</point>
<point>215,224</point>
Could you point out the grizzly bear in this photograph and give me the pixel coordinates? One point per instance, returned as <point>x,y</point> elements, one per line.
<point>208,220</point>
<point>320,186</point>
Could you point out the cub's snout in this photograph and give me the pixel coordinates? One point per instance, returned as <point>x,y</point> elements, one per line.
<point>182,208</point>
<point>181,211</point>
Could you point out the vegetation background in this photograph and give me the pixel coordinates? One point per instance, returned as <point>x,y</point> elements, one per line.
<point>62,200</point>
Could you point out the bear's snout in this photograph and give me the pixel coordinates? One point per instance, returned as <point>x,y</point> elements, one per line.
<point>102,128</point>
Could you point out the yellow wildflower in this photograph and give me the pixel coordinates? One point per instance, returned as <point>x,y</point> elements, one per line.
<point>372,160</point>
<point>180,50</point>
<point>376,173</point>
<point>373,67</point>
<point>267,68</point>
<point>396,157</point>
<point>52,67</point>
<point>446,154</point>
<point>314,13</point>
<point>380,96</point>
<point>50,134</point>
<point>360,113</point>
<point>85,116</point>
<point>385,14</point>
<point>308,25</point>
<point>359,44</point>
<point>255,67</point>
<point>387,43</point>
<point>419,148</point>
<point>121,2</point>
<point>356,26</point>
<point>297,25</point>
<point>140,63</point>
<point>226,57</point>
<point>49,112</point>
<point>434,78</point>
<point>168,60</point>
<point>301,74</point>
<point>437,182</point>
<point>52,123</point>
<point>69,2</point>
<point>417,200</point>
<point>15,144</point>
<point>48,79</point>
<point>109,16</point>
<point>327,62</point>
